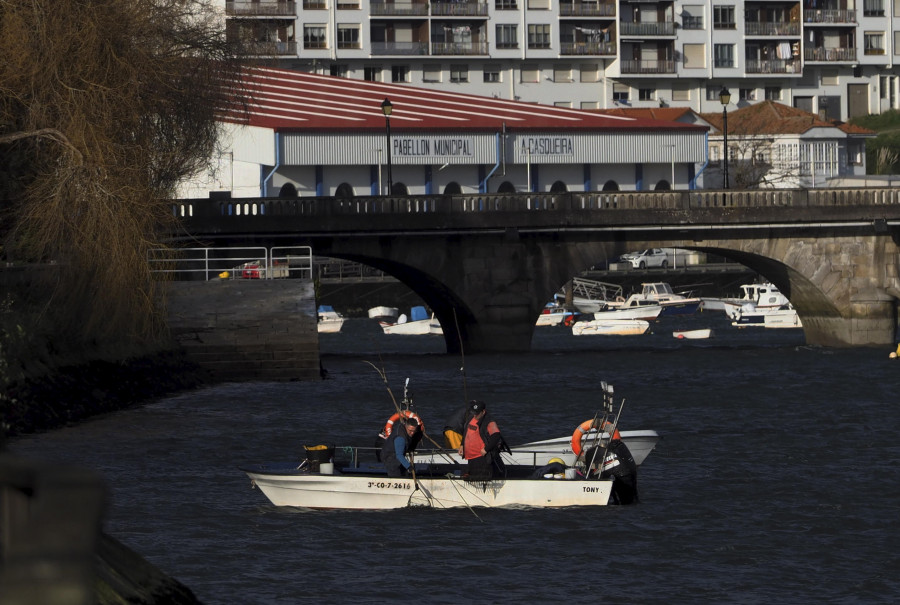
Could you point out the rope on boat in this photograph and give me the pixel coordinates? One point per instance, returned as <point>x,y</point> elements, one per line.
<point>452,478</point>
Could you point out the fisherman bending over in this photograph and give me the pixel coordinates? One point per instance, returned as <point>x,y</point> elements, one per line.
<point>482,443</point>
<point>454,427</point>
<point>396,453</point>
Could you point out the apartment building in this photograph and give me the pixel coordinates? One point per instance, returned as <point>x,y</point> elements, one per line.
<point>833,58</point>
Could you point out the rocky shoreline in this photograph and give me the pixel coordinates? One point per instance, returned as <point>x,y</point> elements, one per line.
<point>73,393</point>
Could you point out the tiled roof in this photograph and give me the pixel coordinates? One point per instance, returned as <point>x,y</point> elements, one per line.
<point>769,117</point>
<point>670,114</point>
<point>287,100</point>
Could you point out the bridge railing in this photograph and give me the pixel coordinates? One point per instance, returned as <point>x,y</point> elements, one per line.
<point>533,202</point>
<point>205,264</point>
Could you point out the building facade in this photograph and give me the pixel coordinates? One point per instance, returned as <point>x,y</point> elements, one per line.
<point>833,58</point>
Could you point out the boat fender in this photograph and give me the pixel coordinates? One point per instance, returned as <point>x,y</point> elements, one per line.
<point>406,414</point>
<point>583,428</point>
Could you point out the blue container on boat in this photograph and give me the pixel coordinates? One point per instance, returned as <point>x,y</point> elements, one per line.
<point>418,313</point>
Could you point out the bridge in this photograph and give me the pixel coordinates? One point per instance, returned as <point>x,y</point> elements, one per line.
<point>487,264</point>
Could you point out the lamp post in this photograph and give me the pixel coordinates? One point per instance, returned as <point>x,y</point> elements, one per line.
<point>725,98</point>
<point>386,109</point>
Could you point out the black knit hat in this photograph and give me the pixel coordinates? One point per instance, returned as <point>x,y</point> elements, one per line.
<point>476,406</point>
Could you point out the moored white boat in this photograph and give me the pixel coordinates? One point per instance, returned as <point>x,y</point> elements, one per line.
<point>763,296</point>
<point>329,320</point>
<point>671,303</point>
<point>385,314</point>
<point>698,334</point>
<point>365,488</point>
<point>610,327</point>
<point>590,296</point>
<point>634,307</point>
<point>421,323</point>
<point>554,315</point>
<point>782,317</point>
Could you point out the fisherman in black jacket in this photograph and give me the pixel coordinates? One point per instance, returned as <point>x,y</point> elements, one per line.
<point>618,464</point>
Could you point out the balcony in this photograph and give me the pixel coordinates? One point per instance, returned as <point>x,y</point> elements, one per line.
<point>459,9</point>
<point>661,28</point>
<point>588,48</point>
<point>829,16</point>
<point>647,67</point>
<point>261,9</point>
<point>836,55</point>
<point>315,5</point>
<point>459,48</point>
<point>771,29</point>
<point>401,9</point>
<point>773,66</point>
<point>399,48</point>
<point>587,9</point>
<point>270,49</point>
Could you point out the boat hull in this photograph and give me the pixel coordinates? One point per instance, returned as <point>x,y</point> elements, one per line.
<point>423,326</point>
<point>693,334</point>
<point>300,488</point>
<point>610,327</point>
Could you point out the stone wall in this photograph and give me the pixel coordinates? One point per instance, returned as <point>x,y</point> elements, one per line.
<point>240,330</point>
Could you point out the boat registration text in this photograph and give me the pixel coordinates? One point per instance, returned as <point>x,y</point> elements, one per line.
<point>389,485</point>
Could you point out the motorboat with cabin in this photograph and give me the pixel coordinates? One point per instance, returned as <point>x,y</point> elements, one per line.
<point>419,322</point>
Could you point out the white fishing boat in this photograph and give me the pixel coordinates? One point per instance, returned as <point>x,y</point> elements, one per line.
<point>329,320</point>
<point>536,453</point>
<point>385,314</point>
<point>634,307</point>
<point>610,327</point>
<point>554,315</point>
<point>671,303</point>
<point>367,487</point>
<point>781,317</point>
<point>698,334</point>
<point>420,323</point>
<point>762,296</point>
<point>590,296</point>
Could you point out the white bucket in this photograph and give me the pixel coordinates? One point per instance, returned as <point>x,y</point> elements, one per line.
<point>570,473</point>
<point>326,468</point>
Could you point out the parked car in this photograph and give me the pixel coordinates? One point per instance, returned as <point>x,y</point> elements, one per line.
<point>654,257</point>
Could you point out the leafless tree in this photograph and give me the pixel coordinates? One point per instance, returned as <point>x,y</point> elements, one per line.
<point>104,106</point>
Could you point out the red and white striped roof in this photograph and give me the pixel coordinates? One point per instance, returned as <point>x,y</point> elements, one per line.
<point>286,100</point>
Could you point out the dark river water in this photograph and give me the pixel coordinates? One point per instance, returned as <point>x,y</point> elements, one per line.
<point>776,480</point>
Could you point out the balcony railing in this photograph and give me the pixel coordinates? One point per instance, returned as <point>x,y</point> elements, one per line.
<point>773,66</point>
<point>414,9</point>
<point>267,9</point>
<point>399,48</point>
<point>829,54</point>
<point>459,48</point>
<point>829,16</point>
<point>270,48</point>
<point>588,48</point>
<point>756,28</point>
<point>587,9</point>
<point>662,28</point>
<point>315,5</point>
<point>459,9</point>
<point>648,67</point>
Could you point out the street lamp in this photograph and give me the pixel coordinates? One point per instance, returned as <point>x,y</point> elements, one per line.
<point>386,109</point>
<point>725,99</point>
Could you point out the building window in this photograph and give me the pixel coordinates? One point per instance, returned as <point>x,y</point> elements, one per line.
<point>692,17</point>
<point>681,93</point>
<point>541,5</point>
<point>562,73</point>
<point>491,74</point>
<point>315,5</point>
<point>694,56</point>
<point>873,8</point>
<point>338,71</point>
<point>723,17</point>
<point>724,55</point>
<point>620,93</point>
<point>712,93</point>
<point>506,5</point>
<point>589,72</point>
<point>874,43</point>
<point>372,74</point>
<point>314,36</point>
<point>565,104</point>
<point>507,36</point>
<point>530,74</point>
<point>773,93</point>
<point>646,94</point>
<point>897,43</point>
<point>432,74</point>
<point>747,94</point>
<point>348,36</point>
<point>459,74</point>
<point>590,105</point>
<point>344,5</point>
<point>399,73</point>
<point>539,35</point>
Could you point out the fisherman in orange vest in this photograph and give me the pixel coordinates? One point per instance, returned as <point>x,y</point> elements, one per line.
<point>482,443</point>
